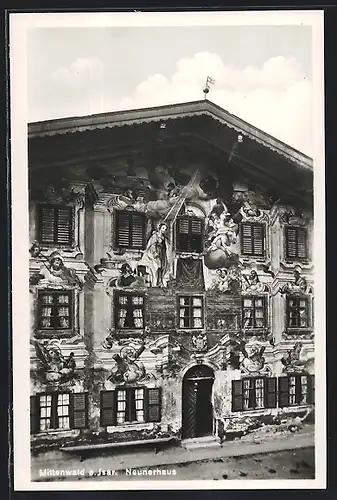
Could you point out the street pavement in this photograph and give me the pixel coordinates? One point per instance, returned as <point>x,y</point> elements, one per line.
<point>255,454</point>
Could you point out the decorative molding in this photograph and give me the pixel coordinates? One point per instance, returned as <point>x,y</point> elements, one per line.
<point>200,342</point>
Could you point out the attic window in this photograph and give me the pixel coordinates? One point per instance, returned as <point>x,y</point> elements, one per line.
<point>189,234</point>
<point>130,230</point>
<point>296,243</point>
<point>55,224</point>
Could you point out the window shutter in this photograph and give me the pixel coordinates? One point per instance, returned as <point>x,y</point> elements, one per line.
<point>137,230</point>
<point>283,391</point>
<point>291,249</point>
<point>153,404</point>
<point>246,239</point>
<point>108,412</point>
<point>34,414</point>
<point>46,224</point>
<point>64,225</point>
<point>196,243</point>
<point>311,389</point>
<point>122,229</point>
<point>183,225</point>
<point>258,243</point>
<point>237,395</point>
<point>79,410</point>
<point>270,392</point>
<point>196,226</point>
<point>301,243</point>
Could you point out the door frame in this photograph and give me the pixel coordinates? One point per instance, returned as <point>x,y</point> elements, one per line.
<point>209,375</point>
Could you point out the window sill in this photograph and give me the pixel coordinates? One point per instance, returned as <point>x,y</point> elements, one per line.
<point>258,258</point>
<point>59,433</point>
<point>130,426</point>
<point>56,333</point>
<point>186,254</point>
<point>256,331</point>
<point>191,330</point>
<point>298,331</point>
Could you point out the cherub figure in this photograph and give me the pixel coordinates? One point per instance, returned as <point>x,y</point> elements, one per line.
<point>57,368</point>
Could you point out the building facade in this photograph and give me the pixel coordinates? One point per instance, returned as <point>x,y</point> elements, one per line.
<point>171,277</point>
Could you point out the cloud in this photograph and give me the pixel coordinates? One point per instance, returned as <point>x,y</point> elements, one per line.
<point>275,97</point>
<point>81,72</point>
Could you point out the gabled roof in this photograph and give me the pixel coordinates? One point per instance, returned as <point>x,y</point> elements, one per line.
<point>168,112</point>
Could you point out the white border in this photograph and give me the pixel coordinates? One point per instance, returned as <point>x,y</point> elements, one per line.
<point>19,24</point>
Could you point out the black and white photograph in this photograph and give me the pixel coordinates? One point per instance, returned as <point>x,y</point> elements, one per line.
<point>168,250</point>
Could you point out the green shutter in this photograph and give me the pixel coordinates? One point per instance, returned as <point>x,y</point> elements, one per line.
<point>258,239</point>
<point>301,243</point>
<point>291,242</point>
<point>153,404</point>
<point>34,414</point>
<point>122,229</point>
<point>237,395</point>
<point>246,239</point>
<point>79,410</point>
<point>270,392</point>
<point>311,389</point>
<point>64,225</point>
<point>108,412</point>
<point>283,391</point>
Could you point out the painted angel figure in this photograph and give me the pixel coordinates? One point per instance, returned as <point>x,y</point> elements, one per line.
<point>253,282</point>
<point>254,361</point>
<point>157,255</point>
<point>226,233</point>
<point>56,366</point>
<point>291,360</point>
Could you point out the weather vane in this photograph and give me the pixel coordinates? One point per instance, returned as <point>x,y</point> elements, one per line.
<point>209,81</point>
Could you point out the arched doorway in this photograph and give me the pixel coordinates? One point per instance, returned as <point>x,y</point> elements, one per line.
<point>197,409</point>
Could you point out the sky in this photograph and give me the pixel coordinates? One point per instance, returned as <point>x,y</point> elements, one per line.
<point>263,74</point>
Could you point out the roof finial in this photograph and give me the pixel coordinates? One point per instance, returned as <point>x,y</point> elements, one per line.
<point>209,81</point>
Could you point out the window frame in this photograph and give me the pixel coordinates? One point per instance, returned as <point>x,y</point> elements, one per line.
<point>293,258</point>
<point>254,308</point>
<point>252,225</point>
<point>129,214</point>
<point>109,406</point>
<point>269,393</point>
<point>298,308</point>
<point>190,234</point>
<point>54,417</point>
<point>40,306</point>
<point>284,395</point>
<point>117,307</point>
<point>130,412</point>
<point>190,306</point>
<point>56,207</point>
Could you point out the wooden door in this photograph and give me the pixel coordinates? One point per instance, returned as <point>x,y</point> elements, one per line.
<point>197,415</point>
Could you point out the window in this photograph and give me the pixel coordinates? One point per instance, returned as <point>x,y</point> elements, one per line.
<point>297,312</point>
<point>191,312</point>
<point>189,234</point>
<point>296,243</point>
<point>295,390</point>
<point>55,310</point>
<point>130,310</point>
<point>58,411</point>
<point>130,405</point>
<point>254,393</point>
<point>254,312</point>
<point>130,230</point>
<point>252,239</point>
<point>55,224</point>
